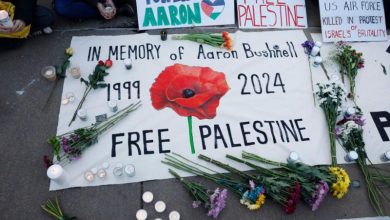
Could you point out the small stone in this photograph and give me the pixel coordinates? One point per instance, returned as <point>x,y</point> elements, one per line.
<point>355,184</point>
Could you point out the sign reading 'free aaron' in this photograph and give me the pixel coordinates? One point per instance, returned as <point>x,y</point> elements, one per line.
<point>197,99</point>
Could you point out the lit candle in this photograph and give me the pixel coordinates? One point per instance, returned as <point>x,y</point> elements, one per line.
<point>130,170</point>
<point>315,51</point>
<point>174,215</point>
<point>82,114</point>
<point>49,72</point>
<point>317,61</point>
<point>386,156</point>
<point>57,174</point>
<point>141,214</point>
<point>160,206</point>
<point>112,104</point>
<point>351,156</point>
<point>65,101</point>
<point>101,173</point>
<point>88,176</point>
<point>128,63</point>
<point>147,197</point>
<point>293,157</point>
<point>75,72</point>
<point>118,170</point>
<point>5,20</point>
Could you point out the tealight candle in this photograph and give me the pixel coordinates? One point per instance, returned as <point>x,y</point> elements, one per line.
<point>82,114</point>
<point>174,215</point>
<point>112,104</point>
<point>141,214</point>
<point>70,96</point>
<point>49,72</point>
<point>160,206</point>
<point>5,20</point>
<point>130,170</point>
<point>164,35</point>
<point>105,165</point>
<point>386,156</point>
<point>293,157</point>
<point>57,174</point>
<point>128,63</point>
<point>118,170</point>
<point>75,72</point>
<point>88,176</point>
<point>318,44</point>
<point>315,51</point>
<point>317,61</point>
<point>351,156</point>
<point>65,101</point>
<point>109,9</point>
<point>101,173</point>
<point>147,197</point>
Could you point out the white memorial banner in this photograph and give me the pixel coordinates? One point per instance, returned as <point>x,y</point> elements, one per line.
<point>283,14</point>
<point>159,14</point>
<point>352,20</point>
<point>257,98</point>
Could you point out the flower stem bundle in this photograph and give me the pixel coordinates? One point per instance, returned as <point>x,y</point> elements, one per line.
<point>61,68</point>
<point>213,200</point>
<point>54,209</point>
<point>331,97</point>
<point>350,62</point>
<point>95,81</point>
<point>216,40</point>
<point>69,146</point>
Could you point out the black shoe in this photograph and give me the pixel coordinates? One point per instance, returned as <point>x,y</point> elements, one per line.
<point>126,10</point>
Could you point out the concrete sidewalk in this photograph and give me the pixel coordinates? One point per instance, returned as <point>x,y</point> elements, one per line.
<point>29,107</point>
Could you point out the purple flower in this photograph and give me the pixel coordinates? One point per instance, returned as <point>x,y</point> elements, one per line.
<point>319,195</point>
<point>308,45</point>
<point>217,202</point>
<point>338,131</point>
<point>196,204</point>
<point>252,184</point>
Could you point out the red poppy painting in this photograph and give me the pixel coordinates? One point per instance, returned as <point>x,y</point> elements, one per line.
<point>189,91</point>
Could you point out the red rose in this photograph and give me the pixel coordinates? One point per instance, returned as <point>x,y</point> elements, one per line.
<point>108,63</point>
<point>189,91</point>
<point>101,63</point>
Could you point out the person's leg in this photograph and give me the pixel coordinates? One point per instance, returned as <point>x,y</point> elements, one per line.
<point>43,18</point>
<point>10,43</point>
<point>75,9</point>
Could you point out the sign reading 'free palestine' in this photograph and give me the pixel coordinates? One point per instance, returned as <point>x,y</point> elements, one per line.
<point>157,14</point>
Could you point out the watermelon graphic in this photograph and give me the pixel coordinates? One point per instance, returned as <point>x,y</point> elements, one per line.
<point>213,8</point>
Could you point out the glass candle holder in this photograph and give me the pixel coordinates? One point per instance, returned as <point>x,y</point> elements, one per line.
<point>75,72</point>
<point>351,156</point>
<point>293,157</point>
<point>129,170</point>
<point>147,197</point>
<point>141,214</point>
<point>49,73</point>
<point>386,156</point>
<point>317,61</point>
<point>160,206</point>
<point>82,114</point>
<point>118,170</point>
<point>128,63</point>
<point>101,173</point>
<point>164,35</point>
<point>108,9</point>
<point>88,176</point>
<point>113,105</point>
<point>174,215</point>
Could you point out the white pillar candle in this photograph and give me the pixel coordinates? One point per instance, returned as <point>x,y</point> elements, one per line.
<point>315,51</point>
<point>317,61</point>
<point>141,214</point>
<point>82,114</point>
<point>5,20</point>
<point>160,206</point>
<point>174,215</point>
<point>293,157</point>
<point>351,156</point>
<point>57,174</point>
<point>112,104</point>
<point>88,176</point>
<point>129,170</point>
<point>128,63</point>
<point>147,197</point>
<point>75,72</point>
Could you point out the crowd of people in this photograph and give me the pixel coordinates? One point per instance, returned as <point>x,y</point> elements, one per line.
<point>30,19</point>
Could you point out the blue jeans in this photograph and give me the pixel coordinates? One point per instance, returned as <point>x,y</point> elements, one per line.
<point>75,9</point>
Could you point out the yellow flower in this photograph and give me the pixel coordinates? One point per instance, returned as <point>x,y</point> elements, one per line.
<point>259,202</point>
<point>69,51</point>
<point>341,186</point>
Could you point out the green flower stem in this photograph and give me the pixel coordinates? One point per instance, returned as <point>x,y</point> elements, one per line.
<point>87,90</point>
<point>191,137</point>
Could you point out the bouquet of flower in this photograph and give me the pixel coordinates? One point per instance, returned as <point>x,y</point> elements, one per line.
<point>251,195</point>
<point>331,97</point>
<point>281,189</point>
<point>214,201</point>
<point>54,210</point>
<point>349,131</point>
<point>69,146</point>
<point>350,62</point>
<point>61,69</point>
<point>216,40</point>
<point>322,177</point>
<point>95,81</point>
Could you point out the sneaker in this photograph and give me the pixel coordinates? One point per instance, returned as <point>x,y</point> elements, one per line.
<point>47,30</point>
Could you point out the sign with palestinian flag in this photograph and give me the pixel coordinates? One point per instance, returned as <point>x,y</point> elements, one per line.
<point>158,14</point>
